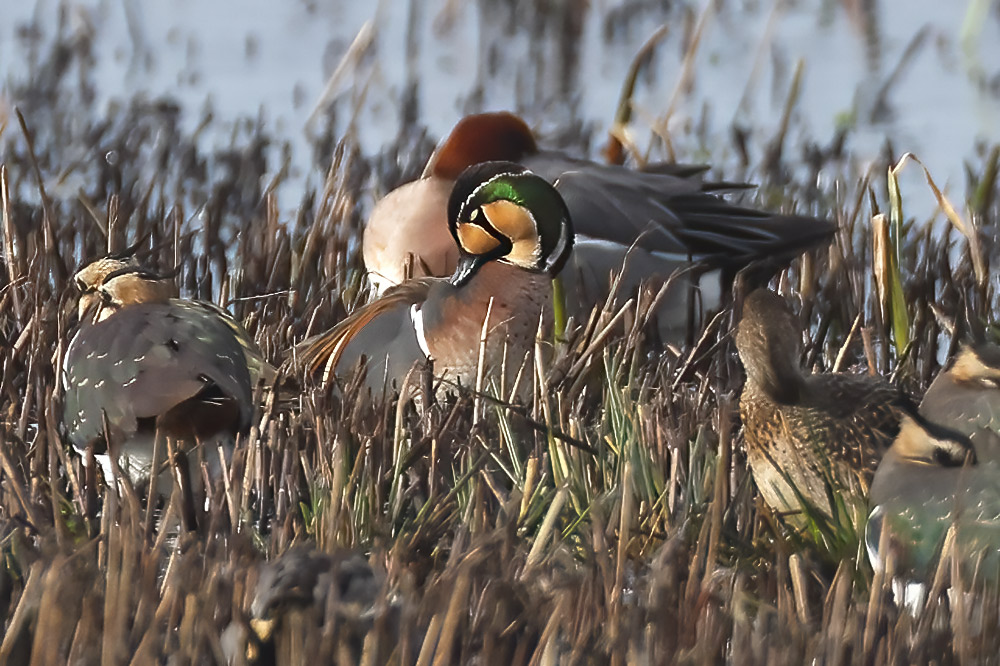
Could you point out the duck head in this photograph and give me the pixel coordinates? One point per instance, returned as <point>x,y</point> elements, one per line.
<point>977,366</point>
<point>90,278</point>
<point>500,211</point>
<point>921,442</point>
<point>769,342</point>
<point>481,137</point>
<point>93,276</point>
<point>128,285</point>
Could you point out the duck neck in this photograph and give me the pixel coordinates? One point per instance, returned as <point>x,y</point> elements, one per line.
<point>775,369</point>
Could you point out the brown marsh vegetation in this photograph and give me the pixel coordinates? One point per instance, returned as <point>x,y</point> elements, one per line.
<point>612,520</point>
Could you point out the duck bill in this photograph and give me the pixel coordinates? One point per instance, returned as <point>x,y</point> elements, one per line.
<point>467,266</point>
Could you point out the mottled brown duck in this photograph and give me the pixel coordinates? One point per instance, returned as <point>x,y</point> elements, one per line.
<point>813,440</point>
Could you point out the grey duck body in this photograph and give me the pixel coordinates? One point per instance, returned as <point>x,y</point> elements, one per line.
<point>170,365</point>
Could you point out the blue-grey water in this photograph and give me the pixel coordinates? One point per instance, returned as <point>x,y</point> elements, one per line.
<point>275,59</point>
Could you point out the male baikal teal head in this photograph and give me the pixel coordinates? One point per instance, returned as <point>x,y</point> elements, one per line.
<point>501,211</point>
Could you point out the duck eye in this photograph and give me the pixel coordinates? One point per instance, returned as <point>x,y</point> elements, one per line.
<point>83,286</point>
<point>941,457</point>
<point>474,215</point>
<point>106,297</point>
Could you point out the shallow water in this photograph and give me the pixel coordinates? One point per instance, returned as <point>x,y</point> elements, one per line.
<point>275,58</point>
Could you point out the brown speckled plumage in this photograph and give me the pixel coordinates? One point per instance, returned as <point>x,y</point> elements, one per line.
<point>808,434</point>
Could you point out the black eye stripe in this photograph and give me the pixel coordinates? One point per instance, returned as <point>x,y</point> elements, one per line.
<point>479,218</point>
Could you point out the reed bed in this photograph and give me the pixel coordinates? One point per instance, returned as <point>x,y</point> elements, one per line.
<point>612,519</point>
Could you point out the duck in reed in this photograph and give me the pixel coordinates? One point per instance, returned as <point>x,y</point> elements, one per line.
<point>144,365</point>
<point>930,481</point>
<point>813,440</point>
<point>965,396</point>
<point>512,233</point>
<point>941,476</point>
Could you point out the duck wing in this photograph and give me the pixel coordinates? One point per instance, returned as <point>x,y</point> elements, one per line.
<point>146,360</point>
<point>323,353</point>
<point>672,211</point>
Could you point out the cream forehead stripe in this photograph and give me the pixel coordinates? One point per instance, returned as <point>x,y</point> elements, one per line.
<point>94,273</point>
<point>969,367</point>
